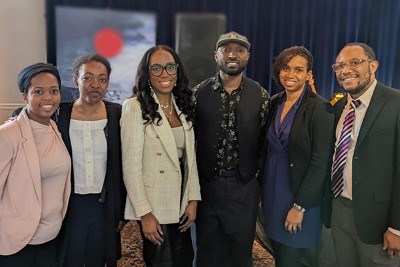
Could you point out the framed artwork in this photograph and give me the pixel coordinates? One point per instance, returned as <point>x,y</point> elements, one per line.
<point>120,36</point>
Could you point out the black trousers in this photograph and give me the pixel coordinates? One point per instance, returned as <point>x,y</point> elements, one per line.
<point>287,256</point>
<point>86,235</point>
<point>43,255</point>
<point>225,224</point>
<point>175,251</point>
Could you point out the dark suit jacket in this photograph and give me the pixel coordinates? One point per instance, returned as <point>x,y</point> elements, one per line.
<point>310,142</point>
<point>376,166</point>
<point>113,188</point>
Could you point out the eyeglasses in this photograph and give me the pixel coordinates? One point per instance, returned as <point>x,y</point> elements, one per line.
<point>352,64</point>
<point>157,70</point>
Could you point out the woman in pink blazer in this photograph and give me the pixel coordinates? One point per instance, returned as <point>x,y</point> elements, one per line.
<point>34,173</point>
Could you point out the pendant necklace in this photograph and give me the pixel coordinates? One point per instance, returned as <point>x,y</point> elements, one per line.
<point>164,106</point>
<point>169,114</point>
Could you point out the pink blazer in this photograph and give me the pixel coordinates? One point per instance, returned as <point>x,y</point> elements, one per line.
<point>20,185</point>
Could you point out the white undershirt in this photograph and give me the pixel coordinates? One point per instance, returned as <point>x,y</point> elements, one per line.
<point>179,136</point>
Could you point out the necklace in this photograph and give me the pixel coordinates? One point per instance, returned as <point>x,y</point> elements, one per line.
<point>164,106</point>
<point>287,105</point>
<point>169,114</point>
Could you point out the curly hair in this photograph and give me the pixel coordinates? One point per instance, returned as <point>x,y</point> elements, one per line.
<point>286,55</point>
<point>181,91</point>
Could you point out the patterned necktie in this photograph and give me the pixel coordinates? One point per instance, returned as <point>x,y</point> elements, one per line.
<point>342,149</point>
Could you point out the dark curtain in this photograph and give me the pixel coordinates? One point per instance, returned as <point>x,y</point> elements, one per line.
<point>322,26</point>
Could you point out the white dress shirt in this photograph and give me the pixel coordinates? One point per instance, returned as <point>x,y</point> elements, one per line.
<point>359,117</point>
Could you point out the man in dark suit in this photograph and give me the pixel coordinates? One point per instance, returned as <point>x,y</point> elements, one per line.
<point>365,173</point>
<point>230,113</point>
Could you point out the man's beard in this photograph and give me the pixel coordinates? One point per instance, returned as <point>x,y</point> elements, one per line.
<point>361,88</point>
<point>231,71</point>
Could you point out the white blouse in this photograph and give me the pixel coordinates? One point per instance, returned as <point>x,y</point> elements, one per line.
<point>89,155</point>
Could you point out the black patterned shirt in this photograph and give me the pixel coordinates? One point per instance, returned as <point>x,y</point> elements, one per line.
<point>228,143</point>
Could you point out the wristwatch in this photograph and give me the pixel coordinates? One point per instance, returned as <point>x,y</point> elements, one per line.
<point>299,208</point>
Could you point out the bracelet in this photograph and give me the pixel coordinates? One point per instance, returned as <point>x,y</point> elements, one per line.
<point>299,208</point>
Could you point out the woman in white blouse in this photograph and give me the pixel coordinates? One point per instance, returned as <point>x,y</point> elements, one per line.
<point>90,129</point>
<point>158,158</point>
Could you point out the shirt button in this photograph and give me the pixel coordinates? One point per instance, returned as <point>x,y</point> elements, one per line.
<point>89,162</point>
<point>291,165</point>
<point>157,136</point>
<point>87,124</point>
<point>161,171</point>
<point>89,176</point>
<point>88,149</point>
<point>158,154</point>
<point>87,135</point>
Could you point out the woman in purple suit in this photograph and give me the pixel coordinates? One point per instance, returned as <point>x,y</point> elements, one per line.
<point>296,158</point>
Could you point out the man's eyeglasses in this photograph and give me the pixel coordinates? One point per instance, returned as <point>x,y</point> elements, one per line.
<point>352,64</point>
<point>157,70</point>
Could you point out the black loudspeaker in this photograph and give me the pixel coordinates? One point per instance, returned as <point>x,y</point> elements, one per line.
<point>195,39</point>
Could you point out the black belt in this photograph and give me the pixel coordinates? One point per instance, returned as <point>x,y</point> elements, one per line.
<point>227,173</point>
<point>225,178</point>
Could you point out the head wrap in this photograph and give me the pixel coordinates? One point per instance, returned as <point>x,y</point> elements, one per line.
<point>26,75</point>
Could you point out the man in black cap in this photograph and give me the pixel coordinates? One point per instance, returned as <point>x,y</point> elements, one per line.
<point>231,111</point>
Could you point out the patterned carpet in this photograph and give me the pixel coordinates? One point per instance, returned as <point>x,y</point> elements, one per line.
<point>132,249</point>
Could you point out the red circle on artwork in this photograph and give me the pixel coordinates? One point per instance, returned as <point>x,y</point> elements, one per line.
<point>108,42</point>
